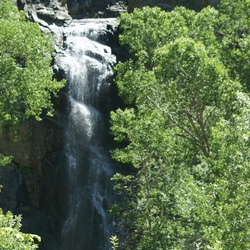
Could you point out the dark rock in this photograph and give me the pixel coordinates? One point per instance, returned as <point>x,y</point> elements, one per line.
<point>96,8</point>
<point>10,180</point>
<point>22,196</point>
<point>61,11</point>
<point>34,150</point>
<point>46,12</point>
<point>27,181</point>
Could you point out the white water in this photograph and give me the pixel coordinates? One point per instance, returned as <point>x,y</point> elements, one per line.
<point>88,67</point>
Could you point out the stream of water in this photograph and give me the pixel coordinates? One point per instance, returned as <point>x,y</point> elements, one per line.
<point>87,63</point>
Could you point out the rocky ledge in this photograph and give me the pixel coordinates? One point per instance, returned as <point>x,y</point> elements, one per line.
<point>61,12</point>
<point>46,12</point>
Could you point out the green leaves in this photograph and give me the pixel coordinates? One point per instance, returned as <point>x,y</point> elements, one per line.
<point>186,128</point>
<point>26,78</point>
<point>11,237</point>
<point>4,160</point>
<point>233,29</point>
<point>114,242</point>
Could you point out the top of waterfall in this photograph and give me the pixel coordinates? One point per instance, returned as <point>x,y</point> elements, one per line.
<point>91,24</point>
<point>106,21</point>
<point>91,28</point>
<point>95,20</point>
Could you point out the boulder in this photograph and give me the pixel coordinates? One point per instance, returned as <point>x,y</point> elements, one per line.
<point>46,12</point>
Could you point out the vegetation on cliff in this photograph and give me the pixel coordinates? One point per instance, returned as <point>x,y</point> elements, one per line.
<point>185,130</point>
<point>26,78</point>
<point>11,237</point>
<point>26,88</point>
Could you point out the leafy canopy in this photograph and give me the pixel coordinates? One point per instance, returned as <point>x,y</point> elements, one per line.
<point>185,130</point>
<point>26,78</point>
<point>26,87</point>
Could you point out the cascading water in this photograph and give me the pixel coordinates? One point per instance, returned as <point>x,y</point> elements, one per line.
<point>86,163</point>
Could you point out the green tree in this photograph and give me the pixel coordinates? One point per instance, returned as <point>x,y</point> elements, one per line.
<point>26,88</point>
<point>185,133</point>
<point>26,78</point>
<point>11,237</point>
<point>234,38</point>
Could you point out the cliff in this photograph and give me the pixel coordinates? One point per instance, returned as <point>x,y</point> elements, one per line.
<point>62,10</point>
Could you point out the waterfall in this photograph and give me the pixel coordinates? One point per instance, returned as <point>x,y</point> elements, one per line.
<point>86,167</point>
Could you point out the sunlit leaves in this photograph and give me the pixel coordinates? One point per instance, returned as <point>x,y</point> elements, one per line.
<point>4,160</point>
<point>26,78</point>
<point>233,33</point>
<point>186,128</point>
<point>155,24</point>
<point>11,237</point>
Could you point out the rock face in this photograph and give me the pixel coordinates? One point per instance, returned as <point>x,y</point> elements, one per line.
<point>28,179</point>
<point>33,151</point>
<point>96,8</point>
<point>44,12</point>
<point>61,11</point>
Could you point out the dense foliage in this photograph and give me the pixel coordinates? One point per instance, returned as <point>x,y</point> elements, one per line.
<point>185,128</point>
<point>26,88</point>
<point>26,78</point>
<point>11,237</point>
